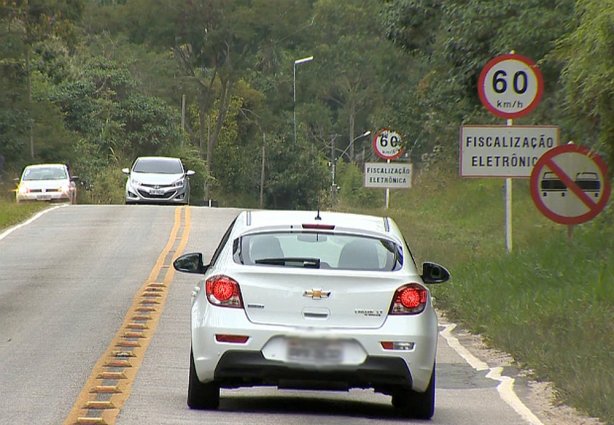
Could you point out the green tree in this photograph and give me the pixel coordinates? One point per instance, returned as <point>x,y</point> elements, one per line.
<point>452,41</point>
<point>296,175</point>
<point>588,74</point>
<point>26,28</point>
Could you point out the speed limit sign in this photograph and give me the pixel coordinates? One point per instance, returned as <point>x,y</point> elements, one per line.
<point>510,86</point>
<point>387,144</point>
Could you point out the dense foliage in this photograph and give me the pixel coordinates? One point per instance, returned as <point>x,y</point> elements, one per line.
<point>98,82</point>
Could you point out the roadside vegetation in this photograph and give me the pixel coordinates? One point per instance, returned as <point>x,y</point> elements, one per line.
<point>12,213</point>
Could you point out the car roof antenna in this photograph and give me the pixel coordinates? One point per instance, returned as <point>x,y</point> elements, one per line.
<point>318,214</point>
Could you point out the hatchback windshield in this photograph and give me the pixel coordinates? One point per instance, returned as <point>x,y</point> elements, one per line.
<point>158,165</point>
<point>318,250</point>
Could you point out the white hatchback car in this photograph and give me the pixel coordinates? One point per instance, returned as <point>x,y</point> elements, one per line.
<point>310,300</point>
<point>46,182</point>
<point>157,180</point>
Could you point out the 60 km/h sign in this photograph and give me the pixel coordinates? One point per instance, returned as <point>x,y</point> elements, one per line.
<point>387,144</point>
<point>510,86</point>
<point>569,184</point>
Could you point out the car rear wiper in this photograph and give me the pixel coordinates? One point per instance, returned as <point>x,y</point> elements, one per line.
<point>313,263</point>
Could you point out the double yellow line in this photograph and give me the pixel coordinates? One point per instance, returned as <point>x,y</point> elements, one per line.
<point>110,383</point>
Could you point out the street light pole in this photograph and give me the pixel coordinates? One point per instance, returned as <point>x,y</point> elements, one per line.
<point>297,62</point>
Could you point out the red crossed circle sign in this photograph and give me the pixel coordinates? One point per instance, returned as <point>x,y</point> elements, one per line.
<point>570,185</point>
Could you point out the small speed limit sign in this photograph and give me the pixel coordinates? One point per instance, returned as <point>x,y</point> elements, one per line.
<point>510,86</point>
<point>387,144</point>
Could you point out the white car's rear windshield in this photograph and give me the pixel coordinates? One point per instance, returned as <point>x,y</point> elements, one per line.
<point>318,250</point>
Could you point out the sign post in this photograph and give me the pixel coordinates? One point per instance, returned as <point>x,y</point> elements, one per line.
<point>510,86</point>
<point>387,144</point>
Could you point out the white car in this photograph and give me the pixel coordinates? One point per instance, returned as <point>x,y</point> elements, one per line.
<point>313,300</point>
<point>46,182</point>
<point>157,180</point>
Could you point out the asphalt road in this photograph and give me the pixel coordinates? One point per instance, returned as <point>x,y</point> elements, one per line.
<point>67,281</point>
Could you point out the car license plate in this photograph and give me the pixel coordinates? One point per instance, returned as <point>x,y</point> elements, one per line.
<point>157,191</point>
<point>315,351</point>
<point>43,197</point>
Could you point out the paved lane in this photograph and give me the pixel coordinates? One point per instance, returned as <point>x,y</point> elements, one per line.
<point>66,281</point>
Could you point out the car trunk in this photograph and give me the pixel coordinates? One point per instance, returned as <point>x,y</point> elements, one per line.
<point>317,298</point>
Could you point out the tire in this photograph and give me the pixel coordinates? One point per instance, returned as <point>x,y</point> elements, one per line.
<point>414,404</point>
<point>201,396</point>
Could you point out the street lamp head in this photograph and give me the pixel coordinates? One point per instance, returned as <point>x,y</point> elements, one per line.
<point>303,60</point>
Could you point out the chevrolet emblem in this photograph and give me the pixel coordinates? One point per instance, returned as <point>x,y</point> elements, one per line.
<point>317,294</point>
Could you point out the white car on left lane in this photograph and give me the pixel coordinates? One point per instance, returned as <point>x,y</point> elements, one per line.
<point>46,182</point>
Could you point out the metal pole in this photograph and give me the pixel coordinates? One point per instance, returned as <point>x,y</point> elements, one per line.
<point>262,171</point>
<point>508,207</point>
<point>387,191</point>
<point>294,101</point>
<point>182,115</point>
<point>296,62</point>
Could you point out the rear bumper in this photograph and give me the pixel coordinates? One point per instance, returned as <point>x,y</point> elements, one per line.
<point>250,368</point>
<point>260,361</point>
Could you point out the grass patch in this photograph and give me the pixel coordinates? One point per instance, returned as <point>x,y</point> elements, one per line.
<point>550,303</point>
<point>12,213</point>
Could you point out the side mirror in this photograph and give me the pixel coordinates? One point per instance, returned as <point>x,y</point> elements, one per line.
<point>434,273</point>
<point>190,173</point>
<point>126,170</point>
<point>190,263</point>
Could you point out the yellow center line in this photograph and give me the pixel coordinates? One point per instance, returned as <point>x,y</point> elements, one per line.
<point>110,382</point>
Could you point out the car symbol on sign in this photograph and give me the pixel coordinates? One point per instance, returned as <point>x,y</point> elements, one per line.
<point>588,182</point>
<point>551,183</point>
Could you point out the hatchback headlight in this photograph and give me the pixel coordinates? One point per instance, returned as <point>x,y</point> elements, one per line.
<point>179,183</point>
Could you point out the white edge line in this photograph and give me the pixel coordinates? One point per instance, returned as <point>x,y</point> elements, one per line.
<point>506,386</point>
<point>30,220</point>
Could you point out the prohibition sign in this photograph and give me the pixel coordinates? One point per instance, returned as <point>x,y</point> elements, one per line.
<point>569,184</point>
<point>510,86</point>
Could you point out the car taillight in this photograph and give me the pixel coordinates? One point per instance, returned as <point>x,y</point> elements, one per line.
<point>223,291</point>
<point>409,299</point>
